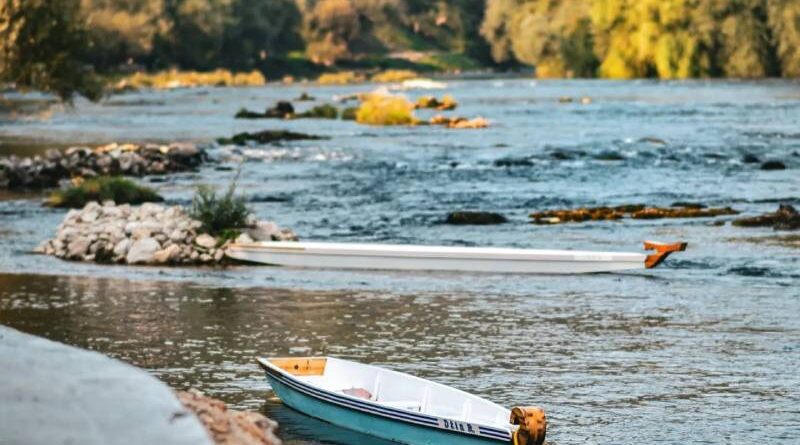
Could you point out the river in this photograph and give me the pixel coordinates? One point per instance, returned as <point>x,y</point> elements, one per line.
<point>703,349</point>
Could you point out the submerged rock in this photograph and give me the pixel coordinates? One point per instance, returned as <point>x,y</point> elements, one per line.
<point>281,110</point>
<point>773,165</point>
<point>785,218</point>
<point>750,158</point>
<point>304,96</point>
<point>446,103</point>
<point>636,211</point>
<point>267,137</point>
<point>324,111</point>
<point>475,218</point>
<point>459,122</point>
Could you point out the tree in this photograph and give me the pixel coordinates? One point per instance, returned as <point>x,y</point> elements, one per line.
<point>43,46</point>
<point>495,28</point>
<point>259,29</point>
<point>784,21</point>
<point>330,26</point>
<point>123,31</point>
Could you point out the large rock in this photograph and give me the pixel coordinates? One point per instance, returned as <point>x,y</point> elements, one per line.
<point>142,251</point>
<point>206,241</point>
<point>264,231</point>
<point>170,254</point>
<point>52,393</point>
<point>77,248</point>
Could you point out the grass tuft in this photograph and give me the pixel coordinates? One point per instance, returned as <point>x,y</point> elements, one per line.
<point>104,188</point>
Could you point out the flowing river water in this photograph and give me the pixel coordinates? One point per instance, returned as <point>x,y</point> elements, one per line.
<point>704,349</point>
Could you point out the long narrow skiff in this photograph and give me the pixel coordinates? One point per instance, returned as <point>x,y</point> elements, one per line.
<point>447,258</point>
<point>396,406</point>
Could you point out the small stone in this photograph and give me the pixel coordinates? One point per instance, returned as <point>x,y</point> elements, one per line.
<point>244,239</point>
<point>169,254</point>
<point>218,255</point>
<point>78,248</point>
<point>205,257</point>
<point>89,216</point>
<point>121,248</point>
<point>142,251</point>
<point>205,240</point>
<point>140,233</point>
<point>177,235</point>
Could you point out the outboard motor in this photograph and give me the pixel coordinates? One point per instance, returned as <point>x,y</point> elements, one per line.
<point>532,425</point>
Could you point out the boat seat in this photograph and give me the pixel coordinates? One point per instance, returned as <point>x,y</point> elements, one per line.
<point>410,405</point>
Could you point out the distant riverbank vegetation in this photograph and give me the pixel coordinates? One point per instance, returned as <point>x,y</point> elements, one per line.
<point>71,46</point>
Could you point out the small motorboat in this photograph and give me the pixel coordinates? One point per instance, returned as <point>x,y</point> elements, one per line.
<point>396,406</point>
<point>447,258</point>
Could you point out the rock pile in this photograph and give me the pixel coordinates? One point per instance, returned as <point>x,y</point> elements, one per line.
<point>113,159</point>
<point>148,234</point>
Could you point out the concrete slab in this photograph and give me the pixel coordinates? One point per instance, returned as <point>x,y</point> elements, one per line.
<point>51,393</point>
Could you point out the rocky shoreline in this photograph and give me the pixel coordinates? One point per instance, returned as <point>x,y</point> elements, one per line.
<point>147,234</point>
<point>229,426</point>
<point>54,165</point>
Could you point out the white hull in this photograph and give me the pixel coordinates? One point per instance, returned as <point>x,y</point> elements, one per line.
<point>434,258</point>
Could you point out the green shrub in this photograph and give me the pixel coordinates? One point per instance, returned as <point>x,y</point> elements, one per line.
<point>219,214</point>
<point>386,110</point>
<point>349,113</point>
<point>104,188</point>
<point>324,111</point>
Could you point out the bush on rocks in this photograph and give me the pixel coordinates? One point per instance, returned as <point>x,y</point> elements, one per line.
<point>117,189</point>
<point>219,213</point>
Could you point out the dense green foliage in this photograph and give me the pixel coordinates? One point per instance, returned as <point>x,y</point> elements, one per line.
<point>44,45</point>
<point>647,38</point>
<point>119,190</point>
<point>219,213</point>
<point>53,45</point>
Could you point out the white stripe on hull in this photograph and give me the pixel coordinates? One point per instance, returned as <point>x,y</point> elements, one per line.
<point>432,258</point>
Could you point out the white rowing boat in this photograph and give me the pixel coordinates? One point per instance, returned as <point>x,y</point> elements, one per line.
<point>396,406</point>
<point>447,258</point>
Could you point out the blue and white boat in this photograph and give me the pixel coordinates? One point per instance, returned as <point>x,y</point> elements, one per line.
<point>397,406</point>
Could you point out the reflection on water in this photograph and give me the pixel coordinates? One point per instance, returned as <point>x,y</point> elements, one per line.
<point>608,366</point>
